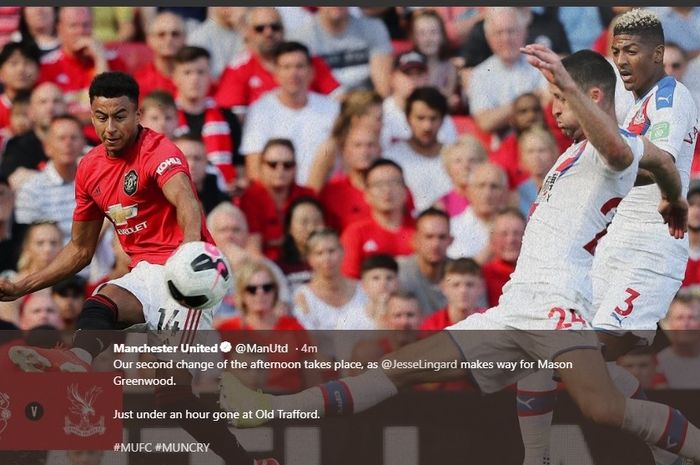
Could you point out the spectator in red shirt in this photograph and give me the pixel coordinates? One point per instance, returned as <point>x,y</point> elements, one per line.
<point>506,239</point>
<point>252,73</point>
<point>80,58</point>
<point>19,71</point>
<point>165,37</point>
<point>642,363</point>
<point>257,292</point>
<point>24,154</point>
<point>266,201</point>
<point>527,112</point>
<point>463,285</point>
<point>198,114</point>
<point>39,309</point>
<point>159,112</point>
<point>692,272</point>
<point>387,230</point>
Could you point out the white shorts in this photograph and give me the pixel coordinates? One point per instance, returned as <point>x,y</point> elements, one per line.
<point>533,326</point>
<point>633,288</point>
<point>167,320</point>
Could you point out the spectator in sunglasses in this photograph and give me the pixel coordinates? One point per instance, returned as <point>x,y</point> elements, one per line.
<point>266,201</point>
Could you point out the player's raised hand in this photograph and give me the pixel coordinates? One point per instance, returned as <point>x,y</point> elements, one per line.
<point>675,215</point>
<point>549,64</point>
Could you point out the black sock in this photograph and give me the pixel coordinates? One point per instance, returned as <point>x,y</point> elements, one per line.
<point>96,324</point>
<point>222,441</point>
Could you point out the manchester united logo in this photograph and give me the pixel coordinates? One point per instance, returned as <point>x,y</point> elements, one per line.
<point>131,181</point>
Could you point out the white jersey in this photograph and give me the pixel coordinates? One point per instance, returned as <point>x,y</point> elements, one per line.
<point>667,116</point>
<point>572,211</point>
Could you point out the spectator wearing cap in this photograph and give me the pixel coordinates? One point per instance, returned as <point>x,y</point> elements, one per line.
<point>300,115</point>
<point>692,271</point>
<point>358,50</point>
<point>505,241</point>
<point>497,81</point>
<point>69,296</point>
<point>24,154</point>
<point>80,58</point>
<point>410,72</point>
<point>19,71</point>
<point>165,36</point>
<point>267,199</point>
<point>252,72</point>
<point>419,156</point>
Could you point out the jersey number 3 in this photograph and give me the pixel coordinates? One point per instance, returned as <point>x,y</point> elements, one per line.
<point>629,301</point>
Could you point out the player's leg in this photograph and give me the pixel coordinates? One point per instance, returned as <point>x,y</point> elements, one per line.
<point>536,396</point>
<point>592,389</point>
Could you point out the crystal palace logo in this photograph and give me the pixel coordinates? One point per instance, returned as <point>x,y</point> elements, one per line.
<point>83,410</point>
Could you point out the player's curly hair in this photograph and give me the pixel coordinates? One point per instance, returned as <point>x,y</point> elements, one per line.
<point>640,22</point>
<point>114,85</point>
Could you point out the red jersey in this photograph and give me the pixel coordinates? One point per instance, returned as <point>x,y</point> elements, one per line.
<point>496,274</point>
<point>150,79</point>
<point>247,79</point>
<point>5,109</point>
<point>73,76</point>
<point>353,207</point>
<point>365,238</point>
<point>441,320</point>
<point>129,191</point>
<point>506,156</point>
<point>692,273</point>
<point>263,216</point>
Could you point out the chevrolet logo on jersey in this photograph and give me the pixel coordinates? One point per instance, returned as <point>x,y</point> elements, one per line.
<point>119,215</point>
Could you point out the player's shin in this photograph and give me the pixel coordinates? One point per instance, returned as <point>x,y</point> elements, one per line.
<point>629,386</point>
<point>342,397</point>
<point>662,425</point>
<point>95,323</point>
<point>536,397</point>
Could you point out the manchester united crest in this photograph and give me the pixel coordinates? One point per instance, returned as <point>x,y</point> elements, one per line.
<point>131,181</point>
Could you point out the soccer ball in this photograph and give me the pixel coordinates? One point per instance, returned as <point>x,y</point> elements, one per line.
<point>198,275</point>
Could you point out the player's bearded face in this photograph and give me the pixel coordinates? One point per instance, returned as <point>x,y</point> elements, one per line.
<point>116,122</point>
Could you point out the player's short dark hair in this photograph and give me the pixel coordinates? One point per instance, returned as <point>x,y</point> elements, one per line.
<point>429,95</point>
<point>291,47</point>
<point>28,50</point>
<point>379,162</point>
<point>278,141</point>
<point>114,85</point>
<point>590,69</point>
<point>190,53</point>
<point>643,23</point>
<point>463,266</point>
<point>379,261</point>
<point>160,98</point>
<point>434,213</point>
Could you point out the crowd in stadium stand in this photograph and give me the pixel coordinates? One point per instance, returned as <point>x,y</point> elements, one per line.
<point>361,168</point>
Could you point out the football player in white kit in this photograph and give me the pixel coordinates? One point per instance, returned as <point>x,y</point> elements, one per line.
<point>638,266</point>
<point>551,287</point>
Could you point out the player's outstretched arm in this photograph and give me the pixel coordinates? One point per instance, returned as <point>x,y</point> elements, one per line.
<point>673,207</point>
<point>75,256</point>
<point>178,191</point>
<point>600,129</point>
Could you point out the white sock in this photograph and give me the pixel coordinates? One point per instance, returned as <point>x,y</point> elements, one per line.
<point>535,405</point>
<point>82,354</point>
<point>661,425</point>
<point>342,397</point>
